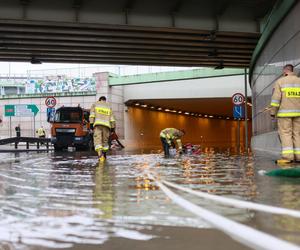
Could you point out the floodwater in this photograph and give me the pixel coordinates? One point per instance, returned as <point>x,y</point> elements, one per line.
<point>69,201</point>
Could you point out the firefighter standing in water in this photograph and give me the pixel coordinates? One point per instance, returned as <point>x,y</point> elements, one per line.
<point>102,122</point>
<point>168,136</point>
<point>285,105</point>
<point>41,132</point>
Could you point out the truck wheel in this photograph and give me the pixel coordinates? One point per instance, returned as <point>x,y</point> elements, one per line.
<point>79,148</point>
<point>57,148</point>
<point>90,146</point>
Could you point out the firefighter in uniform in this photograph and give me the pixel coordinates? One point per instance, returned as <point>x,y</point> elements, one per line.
<point>102,122</point>
<point>41,132</point>
<point>285,105</point>
<point>168,136</point>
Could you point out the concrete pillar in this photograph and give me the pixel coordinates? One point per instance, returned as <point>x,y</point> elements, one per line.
<point>115,95</point>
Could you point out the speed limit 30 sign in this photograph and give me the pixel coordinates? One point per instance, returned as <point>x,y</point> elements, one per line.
<point>50,101</point>
<point>238,99</point>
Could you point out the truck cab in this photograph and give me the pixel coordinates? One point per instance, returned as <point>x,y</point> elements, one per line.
<point>71,128</point>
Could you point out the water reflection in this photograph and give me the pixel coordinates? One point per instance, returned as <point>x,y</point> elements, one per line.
<point>62,199</point>
<point>104,194</point>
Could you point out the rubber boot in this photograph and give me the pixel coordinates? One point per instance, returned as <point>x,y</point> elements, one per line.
<point>283,161</point>
<point>101,156</point>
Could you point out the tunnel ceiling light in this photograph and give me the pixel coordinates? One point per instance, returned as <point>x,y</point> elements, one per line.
<point>174,111</point>
<point>137,104</point>
<point>152,107</point>
<point>227,118</point>
<point>159,108</point>
<point>179,112</point>
<point>205,115</point>
<point>187,113</point>
<point>220,117</point>
<point>145,105</point>
<point>211,116</point>
<point>200,114</point>
<point>167,110</point>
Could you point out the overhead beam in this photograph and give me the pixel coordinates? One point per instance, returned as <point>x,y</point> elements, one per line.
<point>201,36</point>
<point>114,27</point>
<point>45,49</point>
<point>123,44</point>
<point>127,56</point>
<point>148,62</point>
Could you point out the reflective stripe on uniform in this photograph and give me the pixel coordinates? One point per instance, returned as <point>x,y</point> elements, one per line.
<point>291,92</point>
<point>162,135</point>
<point>106,124</point>
<point>92,114</point>
<point>288,113</point>
<point>287,150</point>
<point>297,151</point>
<point>290,85</point>
<point>274,104</point>
<point>275,101</point>
<point>98,147</point>
<point>103,111</point>
<point>165,135</point>
<point>105,148</point>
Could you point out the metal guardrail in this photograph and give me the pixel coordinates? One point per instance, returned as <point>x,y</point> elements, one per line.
<point>28,141</point>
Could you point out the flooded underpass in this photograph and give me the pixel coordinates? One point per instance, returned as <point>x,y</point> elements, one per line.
<point>68,200</point>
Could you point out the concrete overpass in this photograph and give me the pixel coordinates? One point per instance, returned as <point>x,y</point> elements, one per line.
<point>218,33</point>
<point>198,103</point>
<point>202,92</point>
<point>214,33</point>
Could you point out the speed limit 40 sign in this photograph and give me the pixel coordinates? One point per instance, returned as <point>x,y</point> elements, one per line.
<point>50,101</point>
<point>238,99</point>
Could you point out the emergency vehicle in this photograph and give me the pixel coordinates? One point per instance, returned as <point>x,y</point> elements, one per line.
<point>71,128</point>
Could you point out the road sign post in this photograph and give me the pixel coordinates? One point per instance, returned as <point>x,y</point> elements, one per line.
<point>238,111</point>
<point>20,110</point>
<point>50,101</point>
<point>246,113</point>
<point>238,100</point>
<point>50,114</point>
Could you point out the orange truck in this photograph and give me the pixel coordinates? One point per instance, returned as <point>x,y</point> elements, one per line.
<point>71,128</point>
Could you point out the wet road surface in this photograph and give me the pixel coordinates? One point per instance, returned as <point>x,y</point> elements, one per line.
<point>66,200</point>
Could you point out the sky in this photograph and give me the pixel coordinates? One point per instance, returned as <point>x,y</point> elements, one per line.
<point>18,68</point>
<point>23,68</point>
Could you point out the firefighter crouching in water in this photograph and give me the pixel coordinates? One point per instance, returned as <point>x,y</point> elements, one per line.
<point>102,122</point>
<point>285,105</point>
<point>168,136</point>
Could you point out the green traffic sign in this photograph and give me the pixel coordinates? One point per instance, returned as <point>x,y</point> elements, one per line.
<point>9,110</point>
<point>21,110</point>
<point>33,108</point>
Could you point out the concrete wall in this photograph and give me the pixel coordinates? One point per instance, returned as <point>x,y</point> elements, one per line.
<point>114,95</point>
<point>142,128</point>
<point>194,88</point>
<point>282,48</point>
<point>27,123</point>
